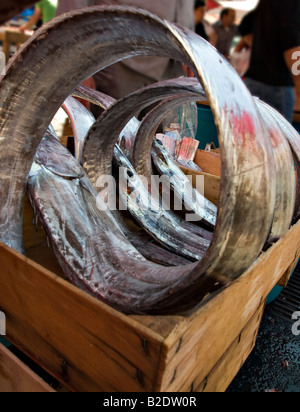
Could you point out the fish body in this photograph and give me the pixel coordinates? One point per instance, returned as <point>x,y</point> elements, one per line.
<point>88,243</point>
<point>194,201</point>
<point>153,217</point>
<point>81,120</point>
<point>248,182</point>
<point>285,173</point>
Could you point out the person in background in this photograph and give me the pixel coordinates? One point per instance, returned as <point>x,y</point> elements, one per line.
<point>246,28</point>
<point>199,12</point>
<point>225,31</point>
<point>202,27</point>
<point>240,58</point>
<point>130,75</point>
<point>273,73</point>
<point>45,10</point>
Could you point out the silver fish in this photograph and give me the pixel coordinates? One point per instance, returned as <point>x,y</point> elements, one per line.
<point>94,96</point>
<point>89,246</point>
<point>98,154</point>
<point>193,200</point>
<point>189,89</point>
<point>81,120</point>
<point>285,174</point>
<point>125,110</point>
<point>144,138</point>
<point>154,218</point>
<point>248,184</point>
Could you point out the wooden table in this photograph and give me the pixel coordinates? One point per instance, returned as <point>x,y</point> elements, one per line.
<point>11,36</point>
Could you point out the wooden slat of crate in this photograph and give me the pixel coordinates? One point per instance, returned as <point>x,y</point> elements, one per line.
<point>210,162</point>
<point>211,184</point>
<point>89,346</point>
<point>15,376</point>
<point>221,376</point>
<point>80,341</point>
<point>194,346</point>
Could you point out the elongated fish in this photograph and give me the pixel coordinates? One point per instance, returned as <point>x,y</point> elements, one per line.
<point>89,246</point>
<point>194,201</point>
<point>292,136</point>
<point>111,123</point>
<point>129,140</point>
<point>105,133</point>
<point>81,121</point>
<point>285,174</point>
<point>154,218</point>
<point>146,133</point>
<point>248,183</point>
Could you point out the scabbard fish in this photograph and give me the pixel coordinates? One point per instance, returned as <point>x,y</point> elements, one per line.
<point>105,133</point>
<point>248,182</point>
<point>187,89</point>
<point>88,243</point>
<point>154,218</point>
<point>194,201</point>
<point>285,174</point>
<point>81,121</point>
<point>146,133</point>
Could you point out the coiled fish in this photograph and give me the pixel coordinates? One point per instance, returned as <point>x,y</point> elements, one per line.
<point>248,183</point>
<point>88,243</point>
<point>81,121</point>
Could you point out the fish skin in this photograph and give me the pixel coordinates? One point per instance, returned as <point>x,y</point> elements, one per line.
<point>92,251</point>
<point>155,219</point>
<point>194,201</point>
<point>81,121</point>
<point>142,144</point>
<point>285,174</point>
<point>98,153</point>
<point>292,136</point>
<point>244,220</point>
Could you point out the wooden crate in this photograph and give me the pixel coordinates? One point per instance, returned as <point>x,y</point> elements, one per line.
<point>210,163</point>
<point>15,376</point>
<point>89,346</point>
